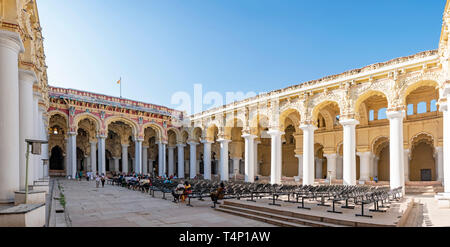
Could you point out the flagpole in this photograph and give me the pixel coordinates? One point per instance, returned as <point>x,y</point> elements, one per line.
<point>121,87</point>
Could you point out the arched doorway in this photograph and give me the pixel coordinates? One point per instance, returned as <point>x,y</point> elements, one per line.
<point>57,159</point>
<point>381,151</point>
<point>422,163</point>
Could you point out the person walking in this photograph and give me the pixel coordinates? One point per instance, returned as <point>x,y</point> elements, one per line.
<point>97,180</point>
<point>103,178</point>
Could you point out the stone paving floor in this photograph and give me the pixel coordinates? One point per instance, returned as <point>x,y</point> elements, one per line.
<point>427,213</point>
<point>114,206</point>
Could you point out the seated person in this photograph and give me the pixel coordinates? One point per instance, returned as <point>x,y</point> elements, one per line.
<point>218,194</point>
<point>187,191</point>
<point>178,192</point>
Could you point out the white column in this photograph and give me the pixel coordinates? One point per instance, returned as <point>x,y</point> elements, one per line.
<point>439,160</point>
<point>339,168</point>
<point>224,161</point>
<point>300,165</point>
<point>116,164</point>
<point>207,159</point>
<point>101,155</point>
<point>318,166</point>
<point>275,157</point>
<point>180,148</point>
<point>93,156</point>
<point>255,159</point>
<point>364,168</point>
<point>36,159</point>
<point>308,153</point>
<point>331,165</point>
<point>249,156</point>
<point>396,148</point>
<point>87,163</point>
<point>446,146</point>
<point>138,156</point>
<point>161,158</point>
<point>145,160</point>
<point>171,155</point>
<point>67,157</point>
<point>349,161</point>
<point>26,81</point>
<point>406,164</point>
<point>236,163</point>
<point>10,47</point>
<point>43,135</point>
<point>375,166</point>
<point>193,159</point>
<point>125,158</point>
<point>73,154</point>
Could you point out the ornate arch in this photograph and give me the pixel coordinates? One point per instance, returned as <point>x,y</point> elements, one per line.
<point>409,84</point>
<point>131,123</point>
<point>422,136</point>
<point>79,117</point>
<point>159,130</point>
<point>59,112</point>
<point>286,113</point>
<point>320,105</point>
<point>377,143</point>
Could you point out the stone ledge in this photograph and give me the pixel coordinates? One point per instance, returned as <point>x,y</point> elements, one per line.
<point>34,197</point>
<point>24,215</point>
<point>443,200</point>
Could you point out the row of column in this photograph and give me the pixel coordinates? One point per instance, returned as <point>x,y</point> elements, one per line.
<point>21,119</point>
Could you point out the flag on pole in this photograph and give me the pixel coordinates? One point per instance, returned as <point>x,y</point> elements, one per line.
<point>119,81</point>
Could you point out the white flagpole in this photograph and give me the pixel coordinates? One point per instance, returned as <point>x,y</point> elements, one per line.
<point>120,87</point>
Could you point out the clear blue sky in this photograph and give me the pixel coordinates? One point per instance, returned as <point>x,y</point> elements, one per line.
<point>161,47</point>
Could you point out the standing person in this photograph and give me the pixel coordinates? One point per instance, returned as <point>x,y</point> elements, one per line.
<point>80,176</point>
<point>97,180</point>
<point>88,174</point>
<point>103,178</point>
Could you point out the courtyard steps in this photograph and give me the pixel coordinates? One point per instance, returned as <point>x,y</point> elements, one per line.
<point>424,190</point>
<point>285,218</point>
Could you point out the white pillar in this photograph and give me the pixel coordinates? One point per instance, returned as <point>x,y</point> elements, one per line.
<point>406,164</point>
<point>73,154</point>
<point>138,156</point>
<point>193,159</point>
<point>331,165</point>
<point>249,156</point>
<point>349,162</point>
<point>125,158</point>
<point>145,160</point>
<point>224,161</point>
<point>339,168</point>
<point>93,156</point>
<point>180,148</point>
<point>101,155</point>
<point>236,163</point>
<point>116,164</point>
<point>43,135</point>
<point>171,155</point>
<point>67,157</point>
<point>161,159</point>
<point>439,160</point>
<point>207,159</point>
<point>87,163</point>
<point>364,168</point>
<point>446,146</point>
<point>300,165</point>
<point>26,81</point>
<point>10,47</point>
<point>308,153</point>
<point>36,159</point>
<point>255,159</point>
<point>318,166</point>
<point>275,157</point>
<point>396,149</point>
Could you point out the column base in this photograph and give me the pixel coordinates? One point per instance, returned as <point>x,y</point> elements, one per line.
<point>443,200</point>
